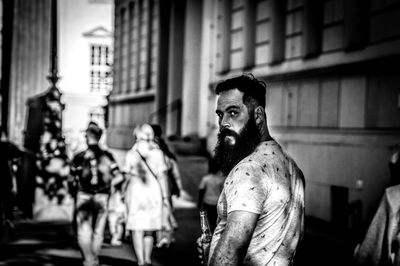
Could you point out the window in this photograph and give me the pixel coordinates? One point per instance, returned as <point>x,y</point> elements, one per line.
<point>100,68</point>
<point>100,1</point>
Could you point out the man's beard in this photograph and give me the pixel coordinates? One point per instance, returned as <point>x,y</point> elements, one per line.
<point>231,147</point>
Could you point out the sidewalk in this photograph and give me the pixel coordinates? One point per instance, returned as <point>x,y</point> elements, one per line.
<point>53,243</point>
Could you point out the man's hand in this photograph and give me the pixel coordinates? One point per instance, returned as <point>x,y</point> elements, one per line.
<point>201,247</point>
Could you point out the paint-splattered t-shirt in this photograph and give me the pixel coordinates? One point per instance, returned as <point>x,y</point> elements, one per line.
<point>269,183</point>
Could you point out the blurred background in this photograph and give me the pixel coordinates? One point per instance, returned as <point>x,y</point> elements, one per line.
<point>331,67</point>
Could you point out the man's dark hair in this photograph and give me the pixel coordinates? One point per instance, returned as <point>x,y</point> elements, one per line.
<point>94,129</point>
<point>254,90</point>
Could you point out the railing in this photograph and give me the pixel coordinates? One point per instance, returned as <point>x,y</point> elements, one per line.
<point>175,105</point>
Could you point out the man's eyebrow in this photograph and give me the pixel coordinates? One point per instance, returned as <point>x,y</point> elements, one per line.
<point>232,107</point>
<point>228,108</point>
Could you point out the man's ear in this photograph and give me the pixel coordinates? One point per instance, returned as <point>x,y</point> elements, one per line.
<point>259,115</point>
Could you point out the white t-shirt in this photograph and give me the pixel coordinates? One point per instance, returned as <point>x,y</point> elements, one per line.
<point>268,183</point>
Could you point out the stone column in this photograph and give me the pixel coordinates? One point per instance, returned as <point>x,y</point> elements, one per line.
<point>175,67</point>
<point>192,67</point>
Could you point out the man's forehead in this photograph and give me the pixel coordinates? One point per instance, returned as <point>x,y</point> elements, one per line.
<point>230,97</point>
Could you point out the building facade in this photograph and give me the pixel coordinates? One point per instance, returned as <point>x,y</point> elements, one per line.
<point>85,52</point>
<point>26,28</point>
<point>332,97</point>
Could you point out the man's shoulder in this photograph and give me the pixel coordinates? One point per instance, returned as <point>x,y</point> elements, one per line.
<point>271,153</point>
<point>265,153</point>
<point>248,171</point>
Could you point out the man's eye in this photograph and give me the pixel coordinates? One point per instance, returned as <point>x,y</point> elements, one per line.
<point>233,113</point>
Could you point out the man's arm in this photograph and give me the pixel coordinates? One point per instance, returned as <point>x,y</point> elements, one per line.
<point>232,246</point>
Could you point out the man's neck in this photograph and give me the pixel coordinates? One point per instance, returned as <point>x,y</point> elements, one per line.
<point>265,136</point>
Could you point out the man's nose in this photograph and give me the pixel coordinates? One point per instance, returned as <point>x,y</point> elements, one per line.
<point>225,122</point>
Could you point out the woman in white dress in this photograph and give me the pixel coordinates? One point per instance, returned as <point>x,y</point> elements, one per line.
<point>147,171</point>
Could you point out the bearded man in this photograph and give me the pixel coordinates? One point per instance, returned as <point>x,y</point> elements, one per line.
<point>261,207</point>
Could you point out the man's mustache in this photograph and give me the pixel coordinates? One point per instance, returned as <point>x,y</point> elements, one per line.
<point>227,132</point>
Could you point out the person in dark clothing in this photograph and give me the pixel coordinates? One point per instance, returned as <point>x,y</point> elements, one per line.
<point>97,171</point>
<point>9,152</point>
<point>210,188</point>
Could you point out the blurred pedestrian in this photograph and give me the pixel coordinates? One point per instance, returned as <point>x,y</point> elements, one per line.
<point>261,207</point>
<point>381,244</point>
<point>210,188</point>
<point>116,214</point>
<point>174,175</point>
<point>175,188</point>
<point>97,173</point>
<point>146,195</point>
<point>8,184</point>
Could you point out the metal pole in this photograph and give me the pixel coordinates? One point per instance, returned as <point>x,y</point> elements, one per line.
<point>53,75</point>
<point>7,36</point>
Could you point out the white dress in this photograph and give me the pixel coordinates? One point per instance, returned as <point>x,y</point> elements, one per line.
<point>143,195</point>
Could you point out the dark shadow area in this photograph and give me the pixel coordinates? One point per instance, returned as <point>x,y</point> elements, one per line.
<point>325,244</point>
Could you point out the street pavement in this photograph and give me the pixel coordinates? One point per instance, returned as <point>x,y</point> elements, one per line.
<point>52,243</point>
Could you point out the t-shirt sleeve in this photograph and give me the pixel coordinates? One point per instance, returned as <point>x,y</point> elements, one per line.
<point>246,190</point>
